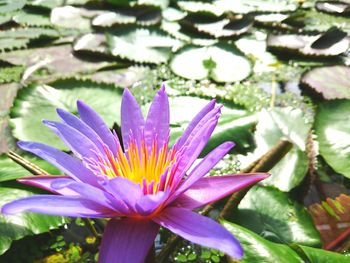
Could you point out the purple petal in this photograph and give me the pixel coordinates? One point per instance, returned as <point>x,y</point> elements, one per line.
<point>210,189</point>
<point>147,204</point>
<point>58,205</point>
<point>200,230</point>
<point>125,190</point>
<point>81,126</point>
<point>209,107</point>
<point>208,162</point>
<point>195,144</point>
<point>80,145</point>
<point>91,193</point>
<point>66,163</point>
<point>127,240</point>
<point>45,181</point>
<point>132,121</point>
<point>91,118</point>
<point>157,123</point>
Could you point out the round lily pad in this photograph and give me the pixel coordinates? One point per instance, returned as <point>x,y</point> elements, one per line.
<point>38,102</point>
<point>331,43</point>
<point>142,45</point>
<point>220,62</point>
<point>332,82</point>
<point>332,126</point>
<point>334,7</point>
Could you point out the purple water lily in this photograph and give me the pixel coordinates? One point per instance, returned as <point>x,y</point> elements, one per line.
<point>139,185</point>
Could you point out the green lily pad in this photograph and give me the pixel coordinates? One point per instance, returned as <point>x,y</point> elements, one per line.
<point>7,6</point>
<point>38,102</point>
<point>331,43</point>
<point>72,17</point>
<point>220,62</point>
<point>91,43</point>
<point>10,170</point>
<point>258,249</point>
<point>273,126</point>
<point>271,213</point>
<point>334,7</point>
<point>142,45</point>
<point>332,126</point>
<point>143,16</point>
<point>25,18</point>
<point>323,256</point>
<point>15,227</point>
<point>333,82</point>
<point>218,27</point>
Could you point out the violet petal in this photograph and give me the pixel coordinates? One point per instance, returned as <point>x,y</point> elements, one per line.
<point>200,230</point>
<point>210,189</point>
<point>132,121</point>
<point>58,205</point>
<point>158,119</point>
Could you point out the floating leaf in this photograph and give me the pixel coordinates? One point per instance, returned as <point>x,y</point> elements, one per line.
<point>239,6</point>
<point>38,102</point>
<point>92,43</point>
<point>135,3</point>
<point>274,125</point>
<point>227,63</point>
<point>7,6</point>
<point>15,227</point>
<point>174,29</point>
<point>142,45</point>
<point>332,82</point>
<point>332,125</point>
<point>144,16</point>
<point>10,170</point>
<point>334,7</point>
<point>57,60</point>
<point>323,256</point>
<point>219,28</point>
<point>305,44</point>
<point>72,17</point>
<point>271,213</point>
<point>258,249</point>
<point>25,18</point>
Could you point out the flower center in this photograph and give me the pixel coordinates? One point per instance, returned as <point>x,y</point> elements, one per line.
<point>152,167</point>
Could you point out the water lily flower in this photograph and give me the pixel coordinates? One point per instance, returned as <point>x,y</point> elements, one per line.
<point>137,184</point>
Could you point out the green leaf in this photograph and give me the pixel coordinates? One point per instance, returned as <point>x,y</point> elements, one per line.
<point>7,6</point>
<point>332,126</point>
<point>310,45</point>
<point>92,43</point>
<point>332,82</point>
<point>143,16</point>
<point>72,17</point>
<point>271,213</point>
<point>142,45</point>
<point>273,126</point>
<point>258,249</point>
<point>15,227</point>
<point>333,7</point>
<point>189,62</point>
<point>323,256</point>
<point>38,102</point>
<point>31,19</point>
<point>234,124</point>
<point>217,27</point>
<point>10,170</point>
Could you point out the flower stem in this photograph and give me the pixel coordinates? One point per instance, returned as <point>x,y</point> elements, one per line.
<point>264,164</point>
